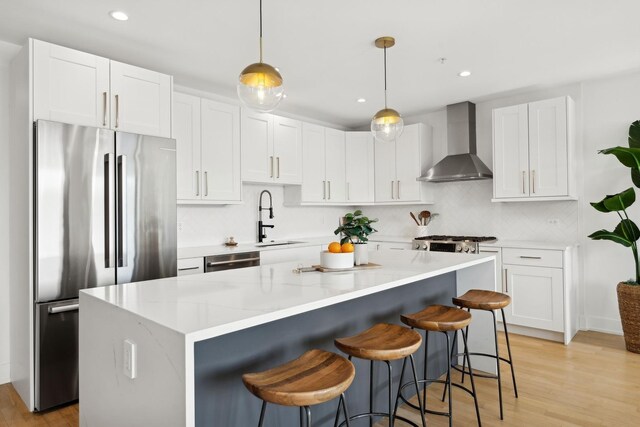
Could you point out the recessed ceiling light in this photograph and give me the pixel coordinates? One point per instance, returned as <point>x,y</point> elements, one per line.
<point>361,100</point>
<point>119,15</point>
<point>465,73</point>
<point>284,96</point>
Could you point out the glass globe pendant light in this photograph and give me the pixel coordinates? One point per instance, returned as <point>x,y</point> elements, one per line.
<point>386,125</point>
<point>260,85</point>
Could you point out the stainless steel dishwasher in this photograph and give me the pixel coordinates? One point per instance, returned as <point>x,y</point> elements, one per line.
<point>231,261</point>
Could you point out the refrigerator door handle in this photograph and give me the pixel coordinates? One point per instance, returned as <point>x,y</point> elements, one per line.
<point>122,211</point>
<point>64,308</point>
<point>109,255</point>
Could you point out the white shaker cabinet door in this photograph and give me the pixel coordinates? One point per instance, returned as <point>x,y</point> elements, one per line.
<point>537,299</point>
<point>359,167</point>
<point>408,152</point>
<point>70,86</point>
<point>186,131</point>
<point>314,188</point>
<point>257,146</point>
<point>140,100</point>
<point>548,148</point>
<point>220,151</point>
<point>335,165</point>
<point>385,171</point>
<point>511,152</point>
<point>287,150</point>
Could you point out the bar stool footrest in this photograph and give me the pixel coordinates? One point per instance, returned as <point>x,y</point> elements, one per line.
<point>429,381</point>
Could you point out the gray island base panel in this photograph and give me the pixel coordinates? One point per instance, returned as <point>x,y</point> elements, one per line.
<point>195,335</point>
<point>222,399</point>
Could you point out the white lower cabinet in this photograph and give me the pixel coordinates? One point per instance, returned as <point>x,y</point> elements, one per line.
<point>187,266</point>
<point>536,297</point>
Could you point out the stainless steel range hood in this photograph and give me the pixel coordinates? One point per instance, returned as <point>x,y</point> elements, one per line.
<point>461,163</point>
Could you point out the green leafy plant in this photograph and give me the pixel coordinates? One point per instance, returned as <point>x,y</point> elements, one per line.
<point>626,232</point>
<point>355,225</point>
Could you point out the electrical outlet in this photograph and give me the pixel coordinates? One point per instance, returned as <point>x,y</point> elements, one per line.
<point>553,221</point>
<point>129,356</point>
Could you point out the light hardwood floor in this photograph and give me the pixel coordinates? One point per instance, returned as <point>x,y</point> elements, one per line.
<point>593,381</point>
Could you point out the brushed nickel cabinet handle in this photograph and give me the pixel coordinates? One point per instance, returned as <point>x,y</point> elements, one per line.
<point>398,192</point>
<point>206,184</point>
<point>348,191</point>
<point>278,167</point>
<point>392,190</point>
<point>104,108</point>
<point>523,180</point>
<point>530,257</point>
<point>324,190</point>
<point>506,281</point>
<point>117,111</point>
<point>271,166</point>
<point>329,184</point>
<point>533,181</point>
<point>197,183</point>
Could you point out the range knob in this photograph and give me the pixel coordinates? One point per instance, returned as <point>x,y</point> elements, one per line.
<point>425,246</point>
<point>417,246</point>
<point>473,249</point>
<point>466,249</point>
<point>458,248</point>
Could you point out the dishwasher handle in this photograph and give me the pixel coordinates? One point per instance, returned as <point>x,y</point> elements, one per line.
<point>237,261</point>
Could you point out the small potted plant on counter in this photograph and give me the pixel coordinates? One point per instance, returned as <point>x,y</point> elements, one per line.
<point>356,228</point>
<point>627,234</point>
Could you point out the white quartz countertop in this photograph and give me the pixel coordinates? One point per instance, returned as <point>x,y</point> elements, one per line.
<point>207,305</point>
<point>522,244</point>
<point>221,249</point>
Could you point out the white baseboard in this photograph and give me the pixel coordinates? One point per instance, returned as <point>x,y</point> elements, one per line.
<point>5,376</point>
<point>604,324</point>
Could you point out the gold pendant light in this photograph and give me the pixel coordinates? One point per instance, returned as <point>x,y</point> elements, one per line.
<point>386,124</point>
<point>260,85</point>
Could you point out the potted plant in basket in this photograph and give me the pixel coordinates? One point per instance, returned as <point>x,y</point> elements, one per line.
<point>357,226</point>
<point>627,234</point>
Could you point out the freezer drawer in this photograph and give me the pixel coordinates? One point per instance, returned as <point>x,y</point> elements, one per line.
<point>56,353</point>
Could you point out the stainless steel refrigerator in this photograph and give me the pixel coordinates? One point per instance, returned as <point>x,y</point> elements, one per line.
<point>105,214</point>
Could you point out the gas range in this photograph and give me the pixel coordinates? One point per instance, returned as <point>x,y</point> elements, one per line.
<point>462,244</point>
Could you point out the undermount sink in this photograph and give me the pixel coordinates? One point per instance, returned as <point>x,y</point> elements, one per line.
<point>276,243</point>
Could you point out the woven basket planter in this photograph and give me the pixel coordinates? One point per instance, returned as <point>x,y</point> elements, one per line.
<point>629,305</point>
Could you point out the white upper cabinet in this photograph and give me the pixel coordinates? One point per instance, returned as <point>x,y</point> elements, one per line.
<point>79,88</point>
<point>140,100</point>
<point>70,86</point>
<point>323,165</point>
<point>532,151</point>
<point>186,131</point>
<point>207,137</point>
<point>287,150</point>
<point>271,149</point>
<point>220,132</point>
<point>399,163</point>
<point>359,161</point>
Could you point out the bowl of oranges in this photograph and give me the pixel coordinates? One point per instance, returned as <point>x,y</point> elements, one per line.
<point>337,255</point>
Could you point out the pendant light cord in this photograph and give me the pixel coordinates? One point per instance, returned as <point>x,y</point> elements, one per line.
<point>260,31</point>
<point>385,76</point>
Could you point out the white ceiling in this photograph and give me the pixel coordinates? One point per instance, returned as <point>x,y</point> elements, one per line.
<point>325,50</point>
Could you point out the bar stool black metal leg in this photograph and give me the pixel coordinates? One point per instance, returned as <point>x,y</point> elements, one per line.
<point>464,358</point>
<point>391,413</point>
<point>308,411</point>
<point>262,411</point>
<point>506,335</point>
<point>344,408</point>
<point>449,379</point>
<point>371,392</point>
<point>404,364</point>
<point>473,385</point>
<point>424,385</point>
<point>415,380</point>
<point>301,417</point>
<point>495,334</point>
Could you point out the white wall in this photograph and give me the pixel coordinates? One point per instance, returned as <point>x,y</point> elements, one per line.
<point>211,225</point>
<point>7,51</point>
<point>610,105</point>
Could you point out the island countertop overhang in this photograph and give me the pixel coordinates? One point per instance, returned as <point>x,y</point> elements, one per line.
<point>213,304</point>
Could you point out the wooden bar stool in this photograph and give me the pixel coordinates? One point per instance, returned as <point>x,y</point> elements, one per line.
<point>316,377</point>
<point>478,299</point>
<point>383,342</point>
<point>439,318</point>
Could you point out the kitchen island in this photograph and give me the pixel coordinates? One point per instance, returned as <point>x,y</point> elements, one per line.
<point>194,336</point>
